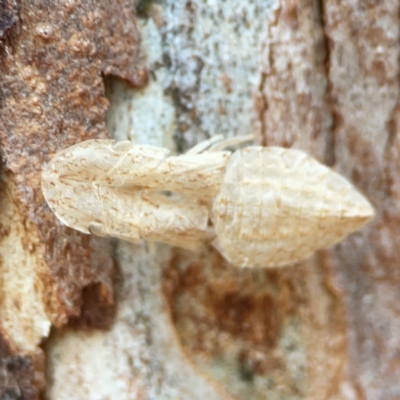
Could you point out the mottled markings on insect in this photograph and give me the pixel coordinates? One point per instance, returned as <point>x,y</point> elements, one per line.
<point>269,206</point>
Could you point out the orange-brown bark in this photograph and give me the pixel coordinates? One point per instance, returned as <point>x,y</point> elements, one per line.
<point>52,57</point>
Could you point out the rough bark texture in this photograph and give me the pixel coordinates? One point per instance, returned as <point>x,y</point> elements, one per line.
<point>363,76</point>
<point>322,76</point>
<point>51,96</point>
<point>139,357</point>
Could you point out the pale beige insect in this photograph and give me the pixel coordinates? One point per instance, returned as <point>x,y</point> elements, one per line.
<point>265,206</point>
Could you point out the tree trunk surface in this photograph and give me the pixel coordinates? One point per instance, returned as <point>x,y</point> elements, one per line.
<point>92,318</point>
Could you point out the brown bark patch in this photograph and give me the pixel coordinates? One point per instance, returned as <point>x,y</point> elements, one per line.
<point>52,96</point>
<point>52,60</point>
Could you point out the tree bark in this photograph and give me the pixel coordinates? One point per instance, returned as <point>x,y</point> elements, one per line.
<point>319,75</point>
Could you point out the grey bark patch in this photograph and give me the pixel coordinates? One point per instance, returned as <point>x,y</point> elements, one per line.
<point>8,16</point>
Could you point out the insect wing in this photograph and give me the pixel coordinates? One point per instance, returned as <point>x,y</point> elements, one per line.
<point>108,162</point>
<point>100,186</point>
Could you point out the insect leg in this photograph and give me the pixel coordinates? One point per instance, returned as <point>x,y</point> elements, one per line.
<point>203,146</point>
<point>232,142</point>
